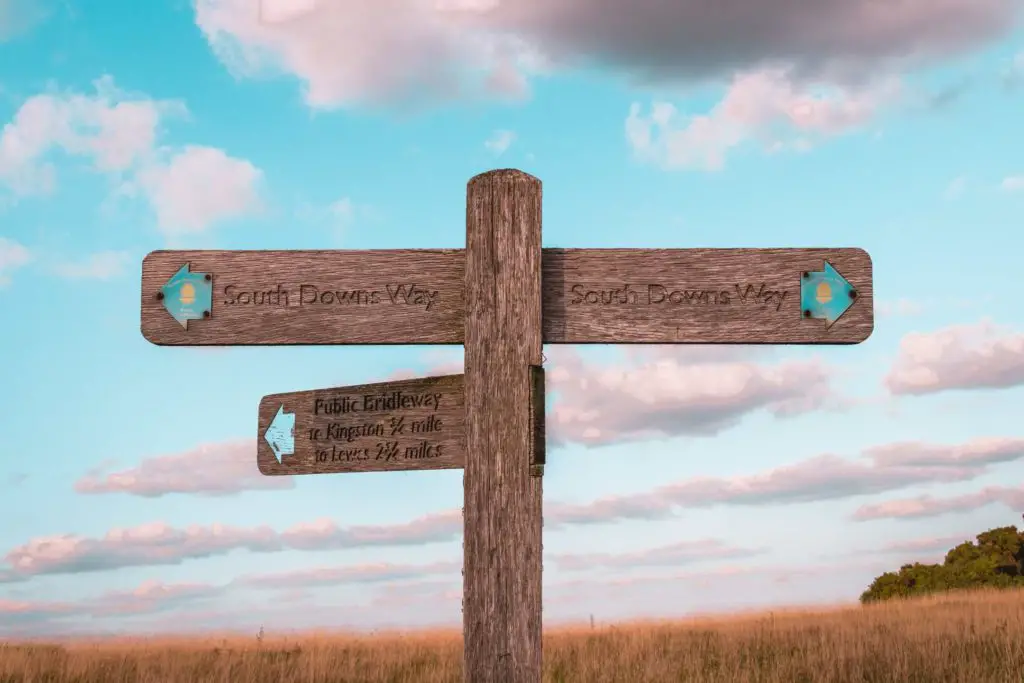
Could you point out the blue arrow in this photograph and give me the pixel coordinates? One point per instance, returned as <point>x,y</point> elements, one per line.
<point>826,295</point>
<point>281,434</point>
<point>188,296</point>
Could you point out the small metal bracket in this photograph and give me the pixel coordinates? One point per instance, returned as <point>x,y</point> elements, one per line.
<point>538,435</point>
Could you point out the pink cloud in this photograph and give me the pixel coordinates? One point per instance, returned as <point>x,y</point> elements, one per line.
<point>767,107</point>
<point>147,598</point>
<point>662,394</point>
<point>933,506</point>
<point>357,51</point>
<point>657,392</point>
<point>980,356</point>
<point>209,469</point>
<point>361,574</point>
<point>676,554</point>
<point>930,546</point>
<point>824,477</point>
<point>158,543</point>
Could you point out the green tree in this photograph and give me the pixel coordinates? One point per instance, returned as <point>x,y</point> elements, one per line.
<point>994,560</point>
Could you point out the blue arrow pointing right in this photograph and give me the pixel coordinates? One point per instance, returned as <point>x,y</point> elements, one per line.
<point>280,435</point>
<point>826,295</point>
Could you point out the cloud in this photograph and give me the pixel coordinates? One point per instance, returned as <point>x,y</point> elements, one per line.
<point>369,51</point>
<point>669,393</point>
<point>117,132</point>
<point>148,598</point>
<point>932,506</point>
<point>676,554</point>
<point>979,356</point>
<point>766,107</point>
<point>1014,71</point>
<point>216,469</point>
<point>664,391</point>
<point>354,51</point>
<point>500,141</point>
<point>1013,183</point>
<point>352,574</point>
<point>12,256</point>
<point>923,546</point>
<point>111,129</point>
<point>956,187</point>
<point>158,543</point>
<point>20,16</point>
<point>825,477</point>
<point>199,187</point>
<point>103,265</point>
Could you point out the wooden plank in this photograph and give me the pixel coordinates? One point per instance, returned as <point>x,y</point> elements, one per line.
<point>697,296</point>
<point>674,296</point>
<point>402,296</point>
<point>503,512</point>
<point>414,424</point>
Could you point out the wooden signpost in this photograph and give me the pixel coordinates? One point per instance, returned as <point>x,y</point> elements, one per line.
<point>502,297</point>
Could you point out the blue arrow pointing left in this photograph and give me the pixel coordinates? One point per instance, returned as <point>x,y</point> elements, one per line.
<point>188,296</point>
<point>280,435</point>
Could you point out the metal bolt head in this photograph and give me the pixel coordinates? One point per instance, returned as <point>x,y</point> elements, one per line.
<point>159,296</point>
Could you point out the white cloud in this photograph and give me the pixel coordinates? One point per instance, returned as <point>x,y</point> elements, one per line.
<point>111,129</point>
<point>1013,183</point>
<point>103,265</point>
<point>199,187</point>
<point>117,133</point>
<point>765,107</point>
<point>500,141</point>
<point>12,256</point>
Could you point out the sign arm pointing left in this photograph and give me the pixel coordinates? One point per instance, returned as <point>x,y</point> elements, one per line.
<point>280,435</point>
<point>187,295</point>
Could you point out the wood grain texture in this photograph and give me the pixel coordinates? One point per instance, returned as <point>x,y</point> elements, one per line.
<point>700,315</point>
<point>503,511</point>
<point>408,425</point>
<point>401,296</point>
<point>697,296</point>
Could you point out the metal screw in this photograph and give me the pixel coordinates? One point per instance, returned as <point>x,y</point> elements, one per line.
<point>159,296</point>
<point>853,293</point>
<point>807,313</point>
<point>807,275</point>
<point>206,314</point>
<point>207,277</point>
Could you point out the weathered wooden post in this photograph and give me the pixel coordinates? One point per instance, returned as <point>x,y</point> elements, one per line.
<point>502,297</point>
<point>502,483</point>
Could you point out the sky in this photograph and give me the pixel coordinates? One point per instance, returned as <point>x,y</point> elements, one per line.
<point>761,477</point>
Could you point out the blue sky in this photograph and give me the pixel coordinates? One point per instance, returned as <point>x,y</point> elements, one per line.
<point>128,482</point>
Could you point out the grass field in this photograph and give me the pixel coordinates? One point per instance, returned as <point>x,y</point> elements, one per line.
<point>966,638</point>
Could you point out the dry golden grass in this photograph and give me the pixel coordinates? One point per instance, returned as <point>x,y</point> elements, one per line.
<point>965,638</point>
